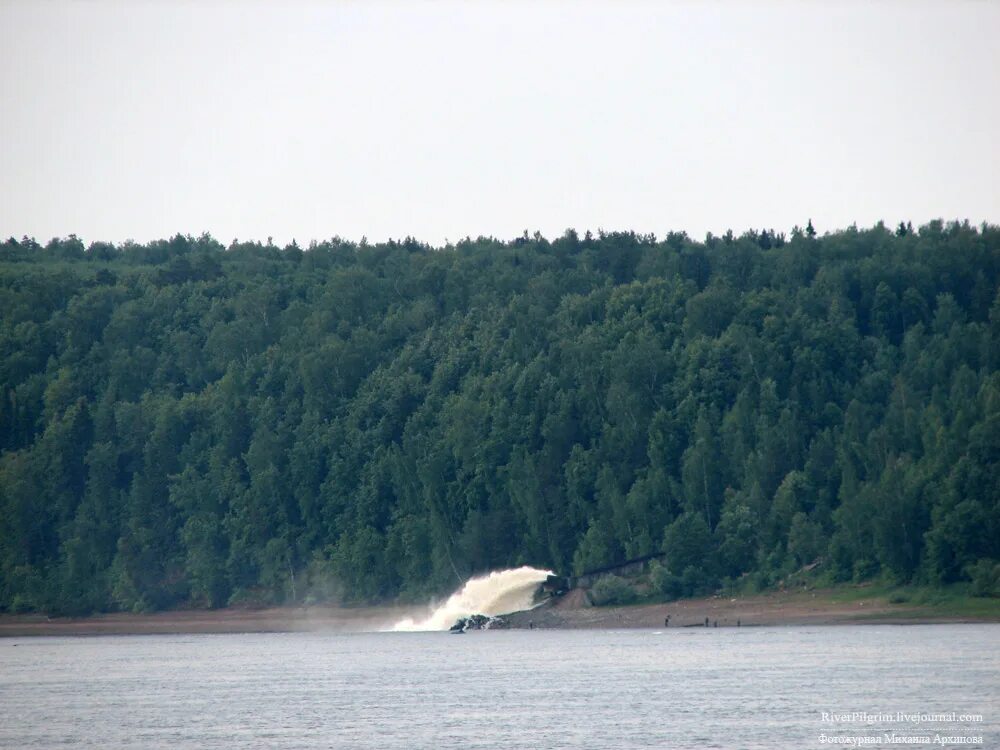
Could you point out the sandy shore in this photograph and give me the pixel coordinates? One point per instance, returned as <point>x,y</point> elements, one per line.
<point>776,608</point>
<point>272,620</point>
<point>570,611</point>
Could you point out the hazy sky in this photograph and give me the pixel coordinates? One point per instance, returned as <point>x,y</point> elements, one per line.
<point>140,120</point>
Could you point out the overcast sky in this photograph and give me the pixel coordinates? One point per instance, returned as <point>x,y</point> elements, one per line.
<point>440,120</point>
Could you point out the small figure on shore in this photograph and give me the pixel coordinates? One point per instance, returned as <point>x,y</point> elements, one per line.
<point>666,621</point>
<point>531,624</point>
<point>706,622</point>
<point>737,622</point>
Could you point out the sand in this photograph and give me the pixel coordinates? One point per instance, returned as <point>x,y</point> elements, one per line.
<point>570,611</point>
<point>776,608</point>
<point>232,620</point>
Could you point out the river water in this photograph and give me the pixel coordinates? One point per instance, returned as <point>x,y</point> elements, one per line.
<point>677,688</point>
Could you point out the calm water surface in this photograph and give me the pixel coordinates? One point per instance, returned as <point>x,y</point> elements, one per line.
<point>683,688</point>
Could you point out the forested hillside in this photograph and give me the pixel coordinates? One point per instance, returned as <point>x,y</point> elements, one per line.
<point>185,423</point>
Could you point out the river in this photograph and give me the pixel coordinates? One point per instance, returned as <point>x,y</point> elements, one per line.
<point>674,688</point>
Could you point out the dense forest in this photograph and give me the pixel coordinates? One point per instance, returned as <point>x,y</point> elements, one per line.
<point>186,424</point>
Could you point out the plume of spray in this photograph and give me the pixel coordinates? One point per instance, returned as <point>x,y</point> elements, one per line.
<point>499,593</point>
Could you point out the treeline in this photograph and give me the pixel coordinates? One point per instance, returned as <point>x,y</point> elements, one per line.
<point>184,423</point>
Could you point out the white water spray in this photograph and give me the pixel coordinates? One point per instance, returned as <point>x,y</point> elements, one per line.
<point>499,593</point>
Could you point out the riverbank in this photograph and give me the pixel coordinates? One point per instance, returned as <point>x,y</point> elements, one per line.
<point>839,606</point>
<point>230,620</point>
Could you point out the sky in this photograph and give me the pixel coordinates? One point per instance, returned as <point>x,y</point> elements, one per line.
<point>441,120</point>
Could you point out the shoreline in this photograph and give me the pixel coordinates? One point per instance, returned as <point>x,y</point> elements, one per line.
<point>770,609</point>
<point>569,612</point>
<point>208,621</point>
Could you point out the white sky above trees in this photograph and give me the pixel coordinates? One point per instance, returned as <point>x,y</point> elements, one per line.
<point>439,120</point>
